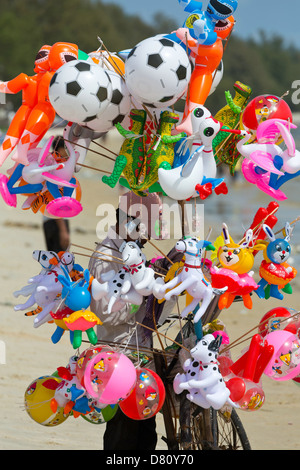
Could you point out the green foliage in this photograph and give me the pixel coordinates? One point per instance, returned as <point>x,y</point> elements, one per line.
<point>267,65</point>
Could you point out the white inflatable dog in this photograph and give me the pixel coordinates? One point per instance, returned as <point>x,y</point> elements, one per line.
<point>202,377</point>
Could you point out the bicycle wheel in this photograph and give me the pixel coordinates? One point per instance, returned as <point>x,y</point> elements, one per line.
<point>229,432</point>
<point>196,430</point>
<point>208,429</point>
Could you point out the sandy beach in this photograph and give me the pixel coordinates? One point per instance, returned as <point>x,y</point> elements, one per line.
<point>30,353</point>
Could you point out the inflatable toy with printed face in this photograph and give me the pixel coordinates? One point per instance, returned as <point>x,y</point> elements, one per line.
<point>285,362</point>
<point>262,108</point>
<point>61,53</point>
<point>221,9</point>
<point>41,62</point>
<point>147,398</point>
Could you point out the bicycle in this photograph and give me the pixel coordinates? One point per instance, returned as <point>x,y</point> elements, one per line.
<point>188,426</point>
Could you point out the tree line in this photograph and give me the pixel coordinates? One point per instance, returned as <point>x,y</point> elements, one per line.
<point>268,65</point>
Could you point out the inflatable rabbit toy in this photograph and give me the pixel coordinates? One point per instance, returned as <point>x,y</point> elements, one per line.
<point>274,270</point>
<point>202,377</point>
<point>236,260</point>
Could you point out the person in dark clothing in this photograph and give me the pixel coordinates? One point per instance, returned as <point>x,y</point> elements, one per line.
<point>122,432</point>
<point>57,231</point>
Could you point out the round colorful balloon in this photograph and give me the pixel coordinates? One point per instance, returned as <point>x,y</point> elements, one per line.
<point>285,363</point>
<point>109,376</point>
<point>37,400</point>
<point>147,397</point>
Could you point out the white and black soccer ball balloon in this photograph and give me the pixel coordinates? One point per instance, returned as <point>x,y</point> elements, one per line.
<point>118,108</point>
<point>157,72</point>
<point>80,91</point>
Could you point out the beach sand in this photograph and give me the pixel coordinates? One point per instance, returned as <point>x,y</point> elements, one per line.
<point>30,352</point>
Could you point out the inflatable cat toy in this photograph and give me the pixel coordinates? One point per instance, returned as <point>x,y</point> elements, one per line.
<point>236,262</point>
<point>275,272</point>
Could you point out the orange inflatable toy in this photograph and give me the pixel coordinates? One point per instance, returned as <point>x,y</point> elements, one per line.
<point>36,115</point>
<point>207,60</point>
<point>28,85</point>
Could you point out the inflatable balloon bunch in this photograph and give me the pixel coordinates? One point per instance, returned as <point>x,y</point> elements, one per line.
<point>273,352</point>
<point>97,91</point>
<point>92,386</point>
<point>236,260</point>
<point>78,88</point>
<point>229,274</point>
<point>40,175</point>
<point>203,33</point>
<point>60,294</point>
<point>213,379</point>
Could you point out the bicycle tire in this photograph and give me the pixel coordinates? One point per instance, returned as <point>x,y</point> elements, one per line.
<point>229,432</point>
<point>208,429</point>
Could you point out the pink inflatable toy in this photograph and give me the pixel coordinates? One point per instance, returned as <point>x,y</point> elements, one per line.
<point>109,376</point>
<point>285,363</point>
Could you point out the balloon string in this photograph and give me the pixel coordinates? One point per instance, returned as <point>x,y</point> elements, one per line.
<point>106,259</point>
<point>92,168</point>
<point>105,148</point>
<point>238,341</point>
<point>36,405</point>
<point>91,150</point>
<point>165,336</point>
<point>96,251</point>
<point>154,246</point>
<point>97,257</point>
<point>115,65</point>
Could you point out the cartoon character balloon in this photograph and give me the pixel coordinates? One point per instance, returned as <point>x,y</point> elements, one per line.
<point>147,397</point>
<point>202,33</point>
<point>109,376</point>
<point>236,260</point>
<point>37,401</point>
<point>279,318</point>
<point>262,108</point>
<point>285,362</point>
<point>83,360</point>
<point>266,164</point>
<point>275,272</point>
<point>32,125</point>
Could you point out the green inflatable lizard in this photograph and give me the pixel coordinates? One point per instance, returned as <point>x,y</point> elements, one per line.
<point>224,144</point>
<point>132,153</point>
<point>160,153</point>
<point>139,165</point>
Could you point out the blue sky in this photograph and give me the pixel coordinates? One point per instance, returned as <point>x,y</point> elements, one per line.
<point>279,17</point>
